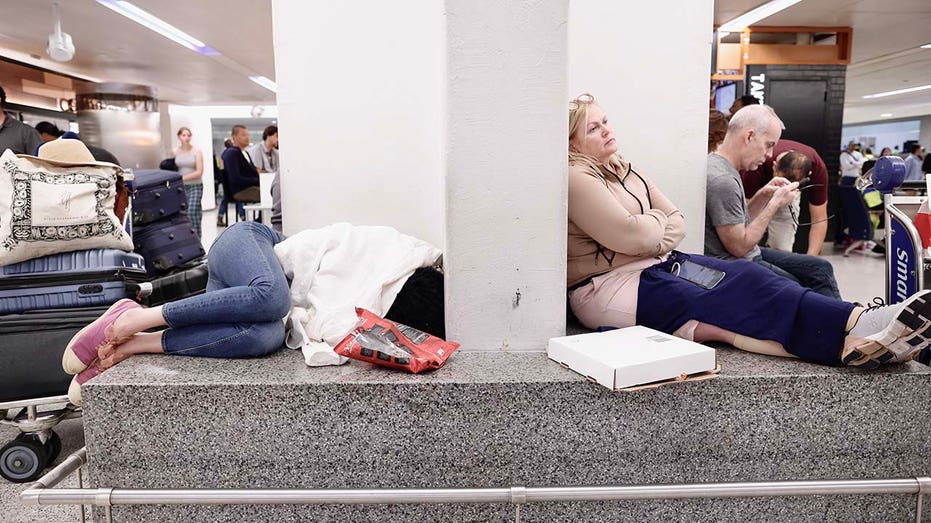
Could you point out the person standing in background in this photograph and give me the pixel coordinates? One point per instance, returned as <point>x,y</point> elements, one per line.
<point>817,190</point>
<point>913,164</point>
<point>190,162</point>
<point>850,162</point>
<point>15,135</point>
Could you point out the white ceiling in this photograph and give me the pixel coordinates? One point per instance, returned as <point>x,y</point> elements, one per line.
<point>886,36</point>
<point>885,56</point>
<point>112,48</point>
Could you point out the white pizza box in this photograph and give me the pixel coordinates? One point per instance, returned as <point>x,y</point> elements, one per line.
<point>632,356</point>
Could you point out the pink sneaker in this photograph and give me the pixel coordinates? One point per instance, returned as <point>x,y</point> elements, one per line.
<point>82,349</point>
<point>74,390</point>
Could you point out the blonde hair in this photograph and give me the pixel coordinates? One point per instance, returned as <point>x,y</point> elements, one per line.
<point>578,116</point>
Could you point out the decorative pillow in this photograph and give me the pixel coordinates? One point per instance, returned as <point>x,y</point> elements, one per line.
<point>47,208</point>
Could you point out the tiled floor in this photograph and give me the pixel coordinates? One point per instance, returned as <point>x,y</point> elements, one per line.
<point>860,277</point>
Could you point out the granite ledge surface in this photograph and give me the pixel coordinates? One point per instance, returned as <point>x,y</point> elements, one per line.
<point>286,367</point>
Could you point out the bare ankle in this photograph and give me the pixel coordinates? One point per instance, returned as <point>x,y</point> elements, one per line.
<point>123,325</point>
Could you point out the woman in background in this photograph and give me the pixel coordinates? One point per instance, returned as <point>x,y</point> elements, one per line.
<point>190,162</point>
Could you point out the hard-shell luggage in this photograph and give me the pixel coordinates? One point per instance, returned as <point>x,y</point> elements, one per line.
<point>31,345</point>
<point>182,284</point>
<point>167,244</point>
<point>71,279</point>
<point>157,195</point>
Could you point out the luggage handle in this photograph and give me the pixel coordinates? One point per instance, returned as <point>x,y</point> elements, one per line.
<point>142,289</point>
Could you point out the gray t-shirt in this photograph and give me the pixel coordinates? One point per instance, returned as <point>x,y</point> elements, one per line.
<point>724,205</point>
<point>18,136</point>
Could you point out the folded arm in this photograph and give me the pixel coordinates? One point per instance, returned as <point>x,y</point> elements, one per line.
<point>598,212</point>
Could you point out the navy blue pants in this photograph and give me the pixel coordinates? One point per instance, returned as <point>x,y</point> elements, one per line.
<point>752,301</point>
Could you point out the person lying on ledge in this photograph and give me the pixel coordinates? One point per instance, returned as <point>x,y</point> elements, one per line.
<point>622,271</point>
<point>256,279</point>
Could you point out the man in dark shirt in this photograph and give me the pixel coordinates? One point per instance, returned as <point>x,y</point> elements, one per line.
<point>817,194</point>
<point>14,134</point>
<point>241,175</point>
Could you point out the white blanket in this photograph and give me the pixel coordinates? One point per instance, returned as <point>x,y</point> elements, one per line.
<point>340,267</point>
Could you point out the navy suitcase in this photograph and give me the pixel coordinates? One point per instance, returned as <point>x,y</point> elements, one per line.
<point>32,344</point>
<point>71,279</point>
<point>167,244</point>
<point>157,195</point>
<point>189,282</point>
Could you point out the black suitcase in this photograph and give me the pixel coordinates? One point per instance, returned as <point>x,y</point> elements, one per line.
<point>71,279</point>
<point>182,284</point>
<point>167,244</point>
<point>31,345</point>
<point>157,195</point>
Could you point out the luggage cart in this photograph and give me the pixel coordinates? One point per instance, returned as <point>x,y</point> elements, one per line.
<point>907,270</point>
<point>26,457</point>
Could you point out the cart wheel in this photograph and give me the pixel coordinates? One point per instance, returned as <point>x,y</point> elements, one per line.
<point>53,447</point>
<point>22,460</point>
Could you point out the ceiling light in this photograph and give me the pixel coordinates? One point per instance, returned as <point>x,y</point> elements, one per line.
<point>751,17</point>
<point>885,115</point>
<point>265,82</point>
<point>899,91</point>
<point>158,25</point>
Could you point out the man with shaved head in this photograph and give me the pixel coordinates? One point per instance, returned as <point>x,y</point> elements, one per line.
<point>734,226</point>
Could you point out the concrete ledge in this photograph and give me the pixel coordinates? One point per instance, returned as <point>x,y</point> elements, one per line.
<point>503,419</point>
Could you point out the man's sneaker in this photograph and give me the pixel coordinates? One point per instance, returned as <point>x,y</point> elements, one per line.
<point>892,333</point>
<point>82,349</point>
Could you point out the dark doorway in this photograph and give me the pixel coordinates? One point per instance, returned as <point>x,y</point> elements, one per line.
<point>801,105</point>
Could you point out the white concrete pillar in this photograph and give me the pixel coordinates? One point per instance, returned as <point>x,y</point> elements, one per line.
<point>648,64</point>
<point>360,85</point>
<point>506,172</point>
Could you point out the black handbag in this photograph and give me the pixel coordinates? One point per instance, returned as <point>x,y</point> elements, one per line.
<point>168,164</point>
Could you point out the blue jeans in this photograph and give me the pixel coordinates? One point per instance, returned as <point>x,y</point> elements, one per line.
<point>811,272</point>
<point>239,316</point>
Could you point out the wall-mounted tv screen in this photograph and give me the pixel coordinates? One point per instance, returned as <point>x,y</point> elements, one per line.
<point>724,97</point>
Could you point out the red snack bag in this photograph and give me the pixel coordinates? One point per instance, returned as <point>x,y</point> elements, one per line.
<point>389,344</point>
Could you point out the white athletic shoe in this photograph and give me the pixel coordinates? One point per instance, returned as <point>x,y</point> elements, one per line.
<point>892,333</point>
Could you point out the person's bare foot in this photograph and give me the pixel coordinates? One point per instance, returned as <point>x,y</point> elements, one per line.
<point>106,350</point>
<point>116,356</point>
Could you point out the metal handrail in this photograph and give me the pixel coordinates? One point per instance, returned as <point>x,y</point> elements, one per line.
<point>43,493</point>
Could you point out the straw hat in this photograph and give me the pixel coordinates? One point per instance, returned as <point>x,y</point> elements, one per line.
<point>66,152</point>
